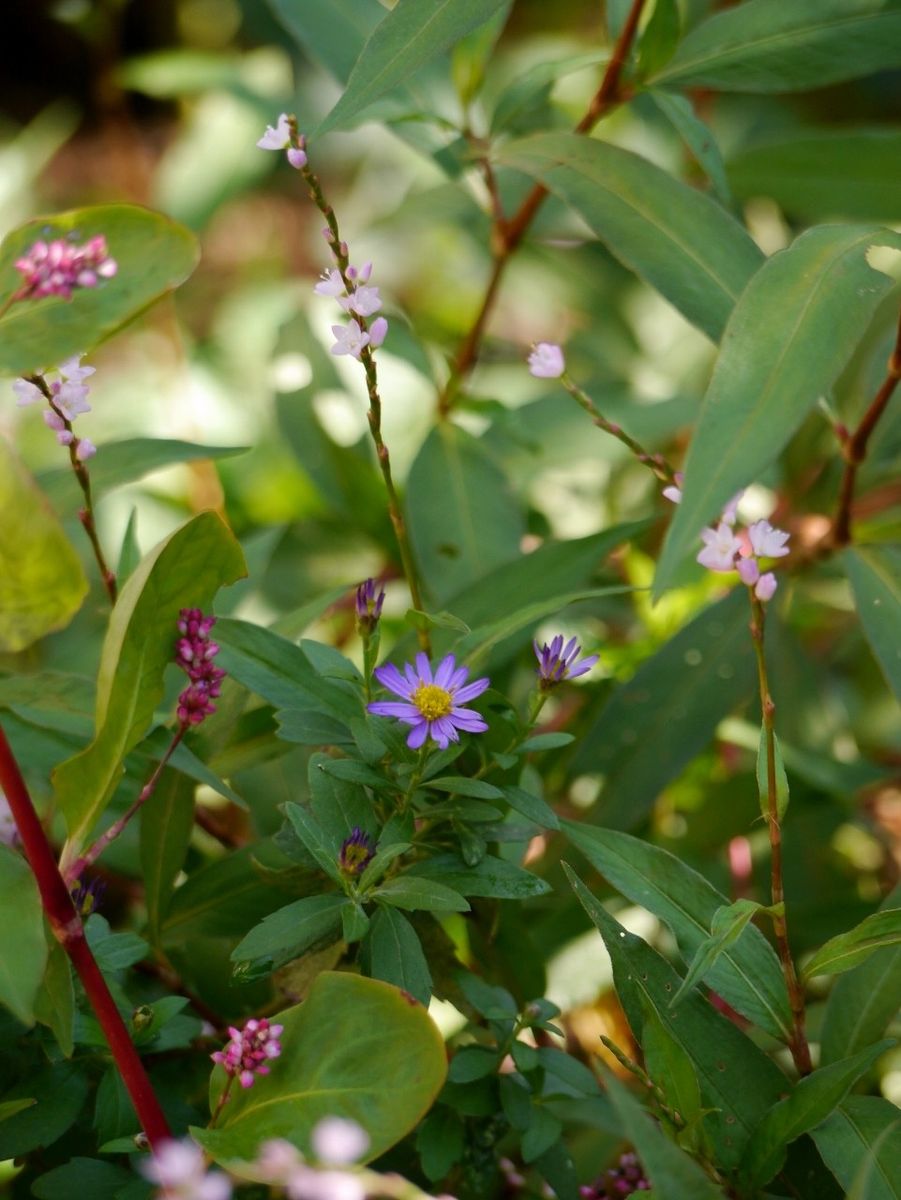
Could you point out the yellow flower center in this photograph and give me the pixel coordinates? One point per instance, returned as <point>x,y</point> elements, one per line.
<point>432,701</point>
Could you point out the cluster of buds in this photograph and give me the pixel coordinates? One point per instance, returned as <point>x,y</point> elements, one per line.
<point>626,1178</point>
<point>356,853</point>
<point>248,1050</point>
<point>352,291</point>
<point>66,399</point>
<point>57,268</point>
<point>557,662</point>
<point>194,653</point>
<point>368,603</point>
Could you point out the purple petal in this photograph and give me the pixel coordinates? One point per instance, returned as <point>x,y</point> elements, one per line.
<point>445,671</point>
<point>468,719</point>
<point>395,708</point>
<point>418,735</point>
<point>389,677</point>
<point>459,677</point>
<point>423,667</point>
<point>411,676</point>
<point>446,729</point>
<point>581,667</point>
<point>470,691</point>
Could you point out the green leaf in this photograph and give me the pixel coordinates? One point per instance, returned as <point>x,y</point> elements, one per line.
<point>747,974</point>
<point>725,929</point>
<point>463,517</point>
<point>847,950</point>
<point>333,31</point>
<point>124,462</point>
<point>380,862</point>
<point>23,947</point>
<point>543,1131</point>
<point>323,847</point>
<point>698,137</point>
<point>738,1082</point>
<point>55,1003</point>
<point>488,999</point>
<point>875,574</point>
<point>58,1094</point>
<point>674,702</point>
<point>669,1168</point>
<point>545,741</point>
<point>810,1103</point>
<point>83,1177</point>
<point>338,1048</point>
<point>768,46</point>
<point>354,923</point>
<point>532,807</point>
<point>338,807</point>
<point>9,1108</point>
<point>858,1144</point>
<point>154,255</point>
<point>461,786</point>
<point>184,571</point>
<point>791,334</point>
<point>281,672</point>
<point>42,583</point>
<point>439,620</point>
<point>863,1001</point>
<point>493,878</point>
<point>293,930</point>
<point>473,1062</point>
<point>659,40</point>
<point>440,1142</point>
<point>670,1068</point>
<point>395,954</point>
<point>824,174</point>
<point>167,820</point>
<point>677,239</point>
<point>412,34</point>
<point>782,795</point>
<point>406,891</point>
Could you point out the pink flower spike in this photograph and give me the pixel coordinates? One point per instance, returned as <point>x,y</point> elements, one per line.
<point>331,284</point>
<point>748,570</point>
<point>378,331</point>
<point>65,437</point>
<point>85,449</point>
<point>546,361</point>
<point>297,158</point>
<point>364,301</point>
<point>277,137</point>
<point>766,587</point>
<point>26,393</point>
<point>766,541</point>
<point>720,548</point>
<point>72,371</point>
<point>349,339</point>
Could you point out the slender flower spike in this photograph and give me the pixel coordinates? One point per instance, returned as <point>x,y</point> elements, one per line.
<point>338,1142</point>
<point>364,301</point>
<point>60,267</point>
<point>546,361</point>
<point>431,703</point>
<point>368,604</point>
<point>349,339</point>
<point>720,548</point>
<point>767,542</point>
<point>247,1052</point>
<point>194,653</point>
<point>331,284</point>
<point>179,1168</point>
<point>356,853</point>
<point>557,662</point>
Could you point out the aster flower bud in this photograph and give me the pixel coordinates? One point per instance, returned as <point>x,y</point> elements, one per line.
<point>557,662</point>
<point>356,852</point>
<point>368,604</point>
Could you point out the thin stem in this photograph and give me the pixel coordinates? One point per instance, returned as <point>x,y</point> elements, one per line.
<point>367,358</point>
<point>75,869</point>
<point>798,1044</point>
<point>654,462</point>
<point>223,1100</point>
<point>854,446</point>
<point>69,932</point>
<point>507,234</point>
<point>86,514</point>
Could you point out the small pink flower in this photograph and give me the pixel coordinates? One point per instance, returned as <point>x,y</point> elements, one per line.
<point>766,541</point>
<point>674,491</point>
<point>546,361</point>
<point>331,284</point>
<point>179,1168</point>
<point>9,832</point>
<point>378,330</point>
<point>748,570</point>
<point>296,157</point>
<point>766,587</point>
<point>57,268</point>
<point>364,301</point>
<point>720,548</point>
<point>85,450</point>
<point>26,393</point>
<point>349,339</point>
<point>730,512</point>
<point>277,137</point>
<point>339,1142</point>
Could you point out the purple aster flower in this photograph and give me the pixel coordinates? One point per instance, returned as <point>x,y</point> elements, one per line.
<point>356,852</point>
<point>431,703</point>
<point>557,662</point>
<point>368,604</point>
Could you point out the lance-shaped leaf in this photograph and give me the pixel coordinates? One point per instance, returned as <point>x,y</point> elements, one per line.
<point>670,1169</point>
<point>677,239</point>
<point>737,1080</point>
<point>339,1048</point>
<point>725,929</point>
<point>770,46</point>
<point>810,1103</point>
<point>746,973</point>
<point>763,787</point>
<point>788,338</point>
<point>412,34</point>
<point>293,930</point>
<point>184,571</point>
<point>875,574</point>
<point>42,583</point>
<point>847,950</point>
<point>154,255</point>
<point>23,947</point>
<point>859,1145</point>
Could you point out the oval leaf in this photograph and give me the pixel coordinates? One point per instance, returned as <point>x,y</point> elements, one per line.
<point>154,255</point>
<point>42,583</point>
<point>23,948</point>
<point>790,335</point>
<point>677,239</point>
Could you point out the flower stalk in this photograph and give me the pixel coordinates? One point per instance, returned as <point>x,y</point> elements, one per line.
<point>798,1045</point>
<point>654,462</point>
<point>68,929</point>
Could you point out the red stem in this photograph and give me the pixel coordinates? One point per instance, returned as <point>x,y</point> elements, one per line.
<point>69,932</point>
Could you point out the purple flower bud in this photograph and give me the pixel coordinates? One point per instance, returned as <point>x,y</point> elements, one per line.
<point>368,604</point>
<point>546,361</point>
<point>356,852</point>
<point>557,662</point>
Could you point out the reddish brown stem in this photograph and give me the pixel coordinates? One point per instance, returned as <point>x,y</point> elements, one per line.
<point>507,235</point>
<point>69,932</point>
<point>854,445</point>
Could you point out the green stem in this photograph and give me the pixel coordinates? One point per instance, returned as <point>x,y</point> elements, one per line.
<point>798,1045</point>
<point>654,462</point>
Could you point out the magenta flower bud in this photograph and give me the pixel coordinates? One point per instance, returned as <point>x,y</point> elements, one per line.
<point>60,267</point>
<point>297,158</point>
<point>245,1054</point>
<point>194,653</point>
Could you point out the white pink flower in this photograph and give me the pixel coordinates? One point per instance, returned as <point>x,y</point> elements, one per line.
<point>546,361</point>
<point>767,542</point>
<point>179,1168</point>
<point>339,1142</point>
<point>720,548</point>
<point>349,339</point>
